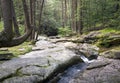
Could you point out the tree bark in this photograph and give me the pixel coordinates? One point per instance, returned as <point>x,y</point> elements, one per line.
<point>7,33</point>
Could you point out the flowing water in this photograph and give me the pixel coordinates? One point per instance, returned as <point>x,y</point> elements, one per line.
<point>72,72</point>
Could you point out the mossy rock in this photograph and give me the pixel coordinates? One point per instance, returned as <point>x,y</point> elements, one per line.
<point>109,41</point>
<point>114,54</point>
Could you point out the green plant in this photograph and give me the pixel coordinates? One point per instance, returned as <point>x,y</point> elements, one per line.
<point>64,31</point>
<point>49,28</point>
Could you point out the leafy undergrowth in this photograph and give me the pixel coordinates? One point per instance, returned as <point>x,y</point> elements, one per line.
<point>110,30</point>
<point>65,31</point>
<point>21,49</point>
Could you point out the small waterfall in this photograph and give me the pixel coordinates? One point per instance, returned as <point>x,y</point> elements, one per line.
<point>86,60</point>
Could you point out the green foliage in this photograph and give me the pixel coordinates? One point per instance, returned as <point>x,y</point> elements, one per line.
<point>109,30</point>
<point>49,28</point>
<point>21,29</point>
<point>64,31</point>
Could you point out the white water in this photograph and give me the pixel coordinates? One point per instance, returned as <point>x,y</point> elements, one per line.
<point>86,60</point>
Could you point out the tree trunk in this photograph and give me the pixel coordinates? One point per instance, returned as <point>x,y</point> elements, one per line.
<point>63,20</point>
<point>16,28</point>
<point>40,16</point>
<point>7,33</point>
<point>7,17</point>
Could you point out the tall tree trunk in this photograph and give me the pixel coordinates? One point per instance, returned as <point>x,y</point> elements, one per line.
<point>40,17</point>
<point>63,19</point>
<point>7,33</point>
<point>73,15</point>
<point>80,23</point>
<point>65,13</point>
<point>0,12</point>
<point>16,28</point>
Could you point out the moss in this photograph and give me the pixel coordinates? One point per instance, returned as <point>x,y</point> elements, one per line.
<point>21,49</point>
<point>1,26</point>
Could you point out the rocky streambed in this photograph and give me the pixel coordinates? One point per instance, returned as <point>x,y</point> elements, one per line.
<point>52,61</point>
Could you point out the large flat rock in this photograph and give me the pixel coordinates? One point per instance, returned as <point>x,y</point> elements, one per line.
<point>38,65</point>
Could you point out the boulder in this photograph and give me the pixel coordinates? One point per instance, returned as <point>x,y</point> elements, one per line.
<point>38,66</point>
<point>109,41</point>
<point>90,51</point>
<point>105,73</point>
<point>114,54</point>
<point>92,37</point>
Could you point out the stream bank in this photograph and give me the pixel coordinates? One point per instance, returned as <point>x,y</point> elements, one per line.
<point>59,61</point>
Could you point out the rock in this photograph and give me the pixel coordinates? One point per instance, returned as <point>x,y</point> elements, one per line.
<point>114,54</point>
<point>38,66</point>
<point>36,49</point>
<point>54,37</point>
<point>6,56</point>
<point>109,73</point>
<point>3,49</point>
<point>70,45</point>
<point>110,40</point>
<point>21,49</point>
<point>89,50</point>
<point>98,64</point>
<point>92,37</point>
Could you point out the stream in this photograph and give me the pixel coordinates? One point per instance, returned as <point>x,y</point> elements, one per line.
<point>72,72</point>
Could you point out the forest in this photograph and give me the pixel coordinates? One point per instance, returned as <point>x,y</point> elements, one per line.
<point>59,41</point>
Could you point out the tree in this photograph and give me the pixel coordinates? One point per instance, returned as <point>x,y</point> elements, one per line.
<point>16,28</point>
<point>6,36</point>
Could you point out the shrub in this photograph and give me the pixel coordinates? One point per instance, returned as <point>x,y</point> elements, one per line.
<point>64,31</point>
<point>48,28</point>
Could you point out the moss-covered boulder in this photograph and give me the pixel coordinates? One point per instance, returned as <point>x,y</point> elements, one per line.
<point>114,54</point>
<point>92,37</point>
<point>108,41</point>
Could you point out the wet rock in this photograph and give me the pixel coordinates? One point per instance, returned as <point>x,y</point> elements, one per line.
<point>114,54</point>
<point>109,73</point>
<point>89,50</point>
